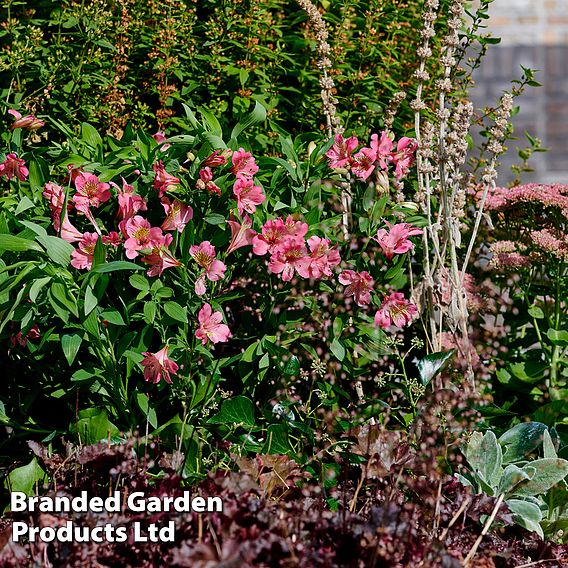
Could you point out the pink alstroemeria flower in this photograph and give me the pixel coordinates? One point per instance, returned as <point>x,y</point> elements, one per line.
<point>244,164</point>
<point>248,195</point>
<point>29,122</point>
<point>288,257</point>
<point>339,154</point>
<point>158,366</point>
<point>33,333</point>
<point>129,203</point>
<point>178,215</point>
<point>321,260</point>
<point>210,326</point>
<point>82,257</point>
<point>217,158</point>
<point>90,192</point>
<point>204,255</point>
<point>363,164</point>
<point>241,235</point>
<point>383,148</point>
<point>142,236</point>
<point>69,232</point>
<point>404,156</point>
<point>160,138</point>
<point>163,181</point>
<point>205,181</point>
<point>55,194</point>
<point>113,239</point>
<point>159,259</point>
<point>394,240</point>
<point>274,230</point>
<point>359,285</point>
<point>395,310</point>
<point>13,166</point>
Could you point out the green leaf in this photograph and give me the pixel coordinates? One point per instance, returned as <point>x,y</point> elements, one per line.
<point>549,472</point>
<point>337,349</point>
<point>3,416</point>
<point>292,367</point>
<point>94,426</point>
<point>25,478</point>
<point>176,312</point>
<point>277,440</point>
<point>558,337</point>
<point>238,410</point>
<point>61,294</point>
<point>91,301</point>
<point>527,515</point>
<point>536,312</point>
<point>17,244</point>
<point>90,135</point>
<point>114,266</point>
<point>214,219</point>
<point>432,364</point>
<point>99,254</point>
<point>24,204</point>
<point>57,249</point>
<point>521,440</point>
<point>529,371</point>
<point>70,345</point>
<point>548,446</point>
<point>149,312</point>
<point>511,477</point>
<point>139,282</point>
<point>38,286</point>
<point>257,115</point>
<point>148,411</point>
<point>112,316</point>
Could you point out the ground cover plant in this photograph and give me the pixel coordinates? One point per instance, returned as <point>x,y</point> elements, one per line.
<point>269,274</point>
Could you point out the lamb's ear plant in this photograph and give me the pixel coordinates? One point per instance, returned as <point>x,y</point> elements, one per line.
<point>533,485</point>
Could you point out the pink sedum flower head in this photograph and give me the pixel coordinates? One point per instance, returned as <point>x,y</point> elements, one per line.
<point>164,181</point>
<point>403,158</point>
<point>29,122</point>
<point>159,366</point>
<point>321,260</point>
<point>241,235</point>
<point>13,166</point>
<point>211,327</point>
<point>395,310</point>
<point>244,165</point>
<point>142,236</point>
<point>359,285</point>
<point>204,255</point>
<point>248,195</point>
<point>339,154</point>
<point>290,256</point>
<point>394,240</point>
<point>82,256</point>
<point>363,164</point>
<point>90,192</point>
<point>178,215</point>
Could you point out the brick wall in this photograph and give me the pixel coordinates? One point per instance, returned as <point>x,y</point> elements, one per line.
<point>534,34</point>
